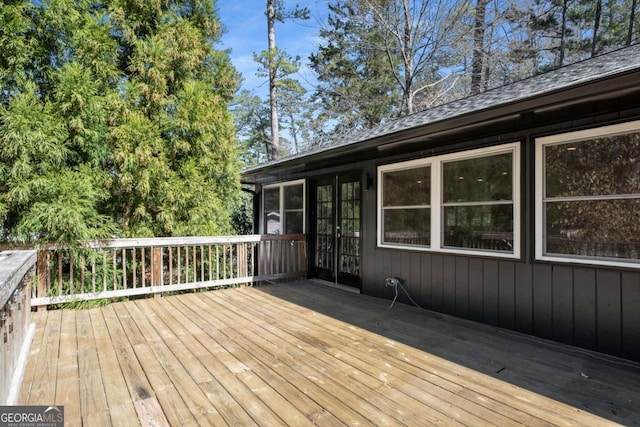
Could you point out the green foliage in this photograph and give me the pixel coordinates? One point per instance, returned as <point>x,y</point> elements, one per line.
<point>357,89</point>
<point>251,119</point>
<point>242,216</point>
<point>114,120</point>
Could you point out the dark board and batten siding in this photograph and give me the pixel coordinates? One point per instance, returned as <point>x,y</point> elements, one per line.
<point>592,308</point>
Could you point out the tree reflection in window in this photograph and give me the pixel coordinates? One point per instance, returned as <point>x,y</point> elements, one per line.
<point>592,197</point>
<point>406,206</point>
<point>477,203</point>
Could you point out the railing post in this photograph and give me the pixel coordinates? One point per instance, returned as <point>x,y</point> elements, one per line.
<point>156,268</point>
<point>242,259</point>
<point>42,270</point>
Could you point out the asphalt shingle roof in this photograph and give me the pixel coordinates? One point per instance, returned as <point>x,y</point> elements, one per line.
<point>587,71</point>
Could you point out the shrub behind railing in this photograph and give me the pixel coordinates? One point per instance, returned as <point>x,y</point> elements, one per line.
<point>129,267</point>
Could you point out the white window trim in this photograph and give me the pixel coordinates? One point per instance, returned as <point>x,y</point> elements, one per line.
<point>436,200</point>
<point>281,186</point>
<point>564,138</point>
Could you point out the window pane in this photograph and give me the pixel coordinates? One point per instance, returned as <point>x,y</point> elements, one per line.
<point>407,187</point>
<point>272,210</point>
<point>597,228</point>
<point>479,227</point>
<point>293,197</point>
<point>601,166</point>
<point>480,179</point>
<point>272,199</point>
<point>407,226</point>
<point>293,222</point>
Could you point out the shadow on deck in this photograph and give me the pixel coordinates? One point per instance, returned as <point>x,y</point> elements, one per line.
<point>301,354</point>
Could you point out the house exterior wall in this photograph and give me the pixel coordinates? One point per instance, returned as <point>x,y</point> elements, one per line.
<point>593,307</point>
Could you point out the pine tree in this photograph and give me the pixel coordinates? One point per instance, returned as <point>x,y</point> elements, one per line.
<point>356,89</point>
<point>277,64</point>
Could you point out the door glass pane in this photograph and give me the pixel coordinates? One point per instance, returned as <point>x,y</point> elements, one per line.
<point>324,227</point>
<point>350,227</point>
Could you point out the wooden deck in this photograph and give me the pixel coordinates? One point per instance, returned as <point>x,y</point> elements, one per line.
<point>303,354</point>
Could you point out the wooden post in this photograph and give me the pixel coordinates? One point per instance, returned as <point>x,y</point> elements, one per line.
<point>156,268</point>
<point>42,267</point>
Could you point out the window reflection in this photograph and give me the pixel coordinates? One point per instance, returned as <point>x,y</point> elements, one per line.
<point>479,227</point>
<point>592,197</point>
<point>478,179</point>
<point>272,210</point>
<point>596,228</point>
<point>406,212</point>
<point>477,198</point>
<point>407,187</point>
<point>288,216</point>
<point>603,166</point>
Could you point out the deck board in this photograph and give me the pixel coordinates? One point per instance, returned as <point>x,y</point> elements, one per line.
<point>93,399</point>
<point>301,354</point>
<point>120,405</point>
<point>433,388</point>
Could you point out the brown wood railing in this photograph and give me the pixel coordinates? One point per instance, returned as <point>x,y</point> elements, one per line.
<point>128,267</point>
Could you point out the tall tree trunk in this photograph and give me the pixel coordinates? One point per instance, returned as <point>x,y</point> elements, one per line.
<point>294,133</point>
<point>408,58</point>
<point>273,102</point>
<point>632,17</point>
<point>563,32</point>
<point>596,27</point>
<point>478,58</point>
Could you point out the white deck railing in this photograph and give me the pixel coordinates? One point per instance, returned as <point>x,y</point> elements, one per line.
<point>129,267</point>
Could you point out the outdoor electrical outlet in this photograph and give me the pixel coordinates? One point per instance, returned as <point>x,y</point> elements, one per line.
<point>392,281</point>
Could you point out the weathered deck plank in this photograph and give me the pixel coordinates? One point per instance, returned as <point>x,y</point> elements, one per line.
<point>93,399</point>
<point>120,405</point>
<point>424,382</point>
<point>299,354</point>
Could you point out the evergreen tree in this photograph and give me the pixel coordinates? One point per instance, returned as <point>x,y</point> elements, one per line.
<point>356,89</point>
<point>252,123</point>
<point>276,64</point>
<point>114,120</point>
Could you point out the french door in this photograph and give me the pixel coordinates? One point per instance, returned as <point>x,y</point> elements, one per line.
<point>336,229</point>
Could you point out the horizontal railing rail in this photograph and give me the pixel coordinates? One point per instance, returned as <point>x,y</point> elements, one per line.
<point>130,267</point>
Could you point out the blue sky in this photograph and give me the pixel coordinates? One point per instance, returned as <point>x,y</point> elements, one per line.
<point>246,26</point>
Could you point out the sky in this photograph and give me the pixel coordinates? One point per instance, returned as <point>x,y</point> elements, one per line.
<point>246,25</point>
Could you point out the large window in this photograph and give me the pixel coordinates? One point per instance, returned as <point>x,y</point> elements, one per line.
<point>588,195</point>
<point>477,202</point>
<point>464,202</point>
<point>283,208</point>
<point>406,206</point>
